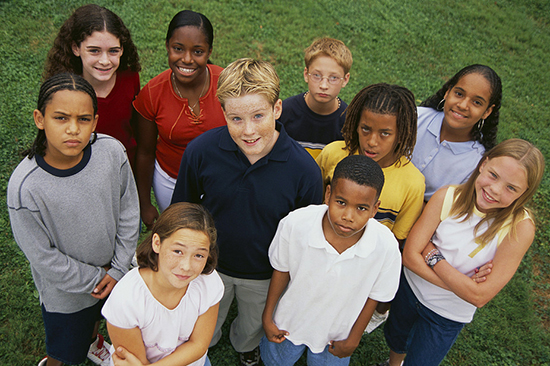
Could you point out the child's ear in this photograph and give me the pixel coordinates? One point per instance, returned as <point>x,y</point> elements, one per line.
<point>482,166</point>
<point>327,194</point>
<point>156,243</point>
<point>375,209</point>
<point>446,93</point>
<point>346,80</point>
<point>488,112</point>
<point>95,122</point>
<point>306,76</point>
<point>75,49</point>
<point>277,109</point>
<point>38,119</point>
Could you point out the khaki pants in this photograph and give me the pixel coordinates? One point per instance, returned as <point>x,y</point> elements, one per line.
<point>246,330</point>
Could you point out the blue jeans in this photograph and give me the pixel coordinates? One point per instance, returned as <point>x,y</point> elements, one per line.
<point>412,328</point>
<point>287,354</point>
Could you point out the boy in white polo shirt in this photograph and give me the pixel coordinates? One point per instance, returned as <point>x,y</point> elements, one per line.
<point>333,264</point>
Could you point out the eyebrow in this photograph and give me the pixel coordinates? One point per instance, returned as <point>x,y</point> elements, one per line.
<point>67,114</point>
<point>185,246</point>
<point>477,96</point>
<point>98,47</point>
<point>340,198</point>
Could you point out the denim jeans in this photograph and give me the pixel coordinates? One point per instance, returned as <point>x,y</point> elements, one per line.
<point>412,328</point>
<point>287,354</point>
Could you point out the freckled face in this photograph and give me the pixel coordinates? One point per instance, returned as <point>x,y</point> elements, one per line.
<point>467,102</point>
<point>377,135</point>
<point>182,257</point>
<point>251,124</point>
<point>350,206</point>
<point>100,54</point>
<point>501,181</point>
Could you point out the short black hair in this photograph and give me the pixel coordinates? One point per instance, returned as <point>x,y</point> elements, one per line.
<point>362,170</point>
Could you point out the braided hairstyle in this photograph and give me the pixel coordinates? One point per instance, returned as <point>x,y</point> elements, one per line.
<point>383,99</point>
<point>81,24</point>
<point>64,81</point>
<point>488,133</point>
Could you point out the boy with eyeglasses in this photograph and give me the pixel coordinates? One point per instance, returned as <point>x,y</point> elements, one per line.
<point>315,118</point>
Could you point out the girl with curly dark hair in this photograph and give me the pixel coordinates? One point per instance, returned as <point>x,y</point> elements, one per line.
<point>95,43</point>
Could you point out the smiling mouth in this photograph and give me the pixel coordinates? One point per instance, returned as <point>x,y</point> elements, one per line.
<point>487,197</point>
<point>185,70</point>
<point>457,115</point>
<point>250,142</point>
<point>182,277</point>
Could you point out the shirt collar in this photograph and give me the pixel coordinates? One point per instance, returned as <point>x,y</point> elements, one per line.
<point>359,249</point>
<point>456,148</point>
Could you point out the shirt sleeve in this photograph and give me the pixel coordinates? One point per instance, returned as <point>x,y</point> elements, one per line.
<point>212,290</point>
<point>387,282</point>
<point>278,250</point>
<point>122,307</point>
<point>61,271</point>
<point>188,187</point>
<point>143,104</point>
<point>410,211</point>
<point>311,192</point>
<point>128,223</point>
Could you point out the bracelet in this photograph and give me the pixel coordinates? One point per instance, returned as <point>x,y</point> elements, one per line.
<point>433,258</point>
<point>430,253</point>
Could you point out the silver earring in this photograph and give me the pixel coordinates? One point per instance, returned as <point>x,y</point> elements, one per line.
<point>481,123</point>
<point>439,108</point>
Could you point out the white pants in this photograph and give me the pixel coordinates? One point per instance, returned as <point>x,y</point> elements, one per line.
<point>163,187</point>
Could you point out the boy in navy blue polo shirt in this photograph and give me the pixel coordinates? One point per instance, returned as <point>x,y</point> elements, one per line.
<point>249,175</point>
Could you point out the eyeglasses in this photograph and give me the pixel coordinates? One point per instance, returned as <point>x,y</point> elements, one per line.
<point>331,79</point>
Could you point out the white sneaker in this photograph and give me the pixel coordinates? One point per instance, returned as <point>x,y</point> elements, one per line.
<point>376,320</point>
<point>99,352</point>
<point>43,361</point>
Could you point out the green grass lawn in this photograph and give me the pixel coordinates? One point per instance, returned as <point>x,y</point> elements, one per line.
<point>417,44</point>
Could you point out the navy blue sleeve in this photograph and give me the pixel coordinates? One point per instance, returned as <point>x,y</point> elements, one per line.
<point>188,186</point>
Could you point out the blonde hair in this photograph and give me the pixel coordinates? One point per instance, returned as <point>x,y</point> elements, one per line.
<point>532,161</point>
<point>247,76</point>
<point>332,48</point>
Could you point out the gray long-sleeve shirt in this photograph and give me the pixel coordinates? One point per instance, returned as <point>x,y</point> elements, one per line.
<point>71,223</point>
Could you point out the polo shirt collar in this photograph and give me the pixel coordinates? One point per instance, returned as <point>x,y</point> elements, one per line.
<point>280,151</point>
<point>456,148</point>
<point>360,249</point>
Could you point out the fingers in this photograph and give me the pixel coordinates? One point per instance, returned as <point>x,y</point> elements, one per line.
<point>104,287</point>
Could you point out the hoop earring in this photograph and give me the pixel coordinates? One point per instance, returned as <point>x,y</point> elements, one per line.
<point>481,123</point>
<point>439,105</point>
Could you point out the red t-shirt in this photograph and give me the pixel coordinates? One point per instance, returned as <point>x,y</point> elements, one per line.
<point>176,124</point>
<point>115,110</point>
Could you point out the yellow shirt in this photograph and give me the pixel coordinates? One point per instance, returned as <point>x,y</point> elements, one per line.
<point>402,196</point>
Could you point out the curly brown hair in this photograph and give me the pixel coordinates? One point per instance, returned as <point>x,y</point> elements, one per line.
<point>80,25</point>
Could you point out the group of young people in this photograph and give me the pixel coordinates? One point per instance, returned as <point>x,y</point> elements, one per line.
<point>317,216</point>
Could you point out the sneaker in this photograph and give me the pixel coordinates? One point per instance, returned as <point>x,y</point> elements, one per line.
<point>385,363</point>
<point>99,352</point>
<point>376,320</point>
<point>43,361</point>
<point>251,358</point>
